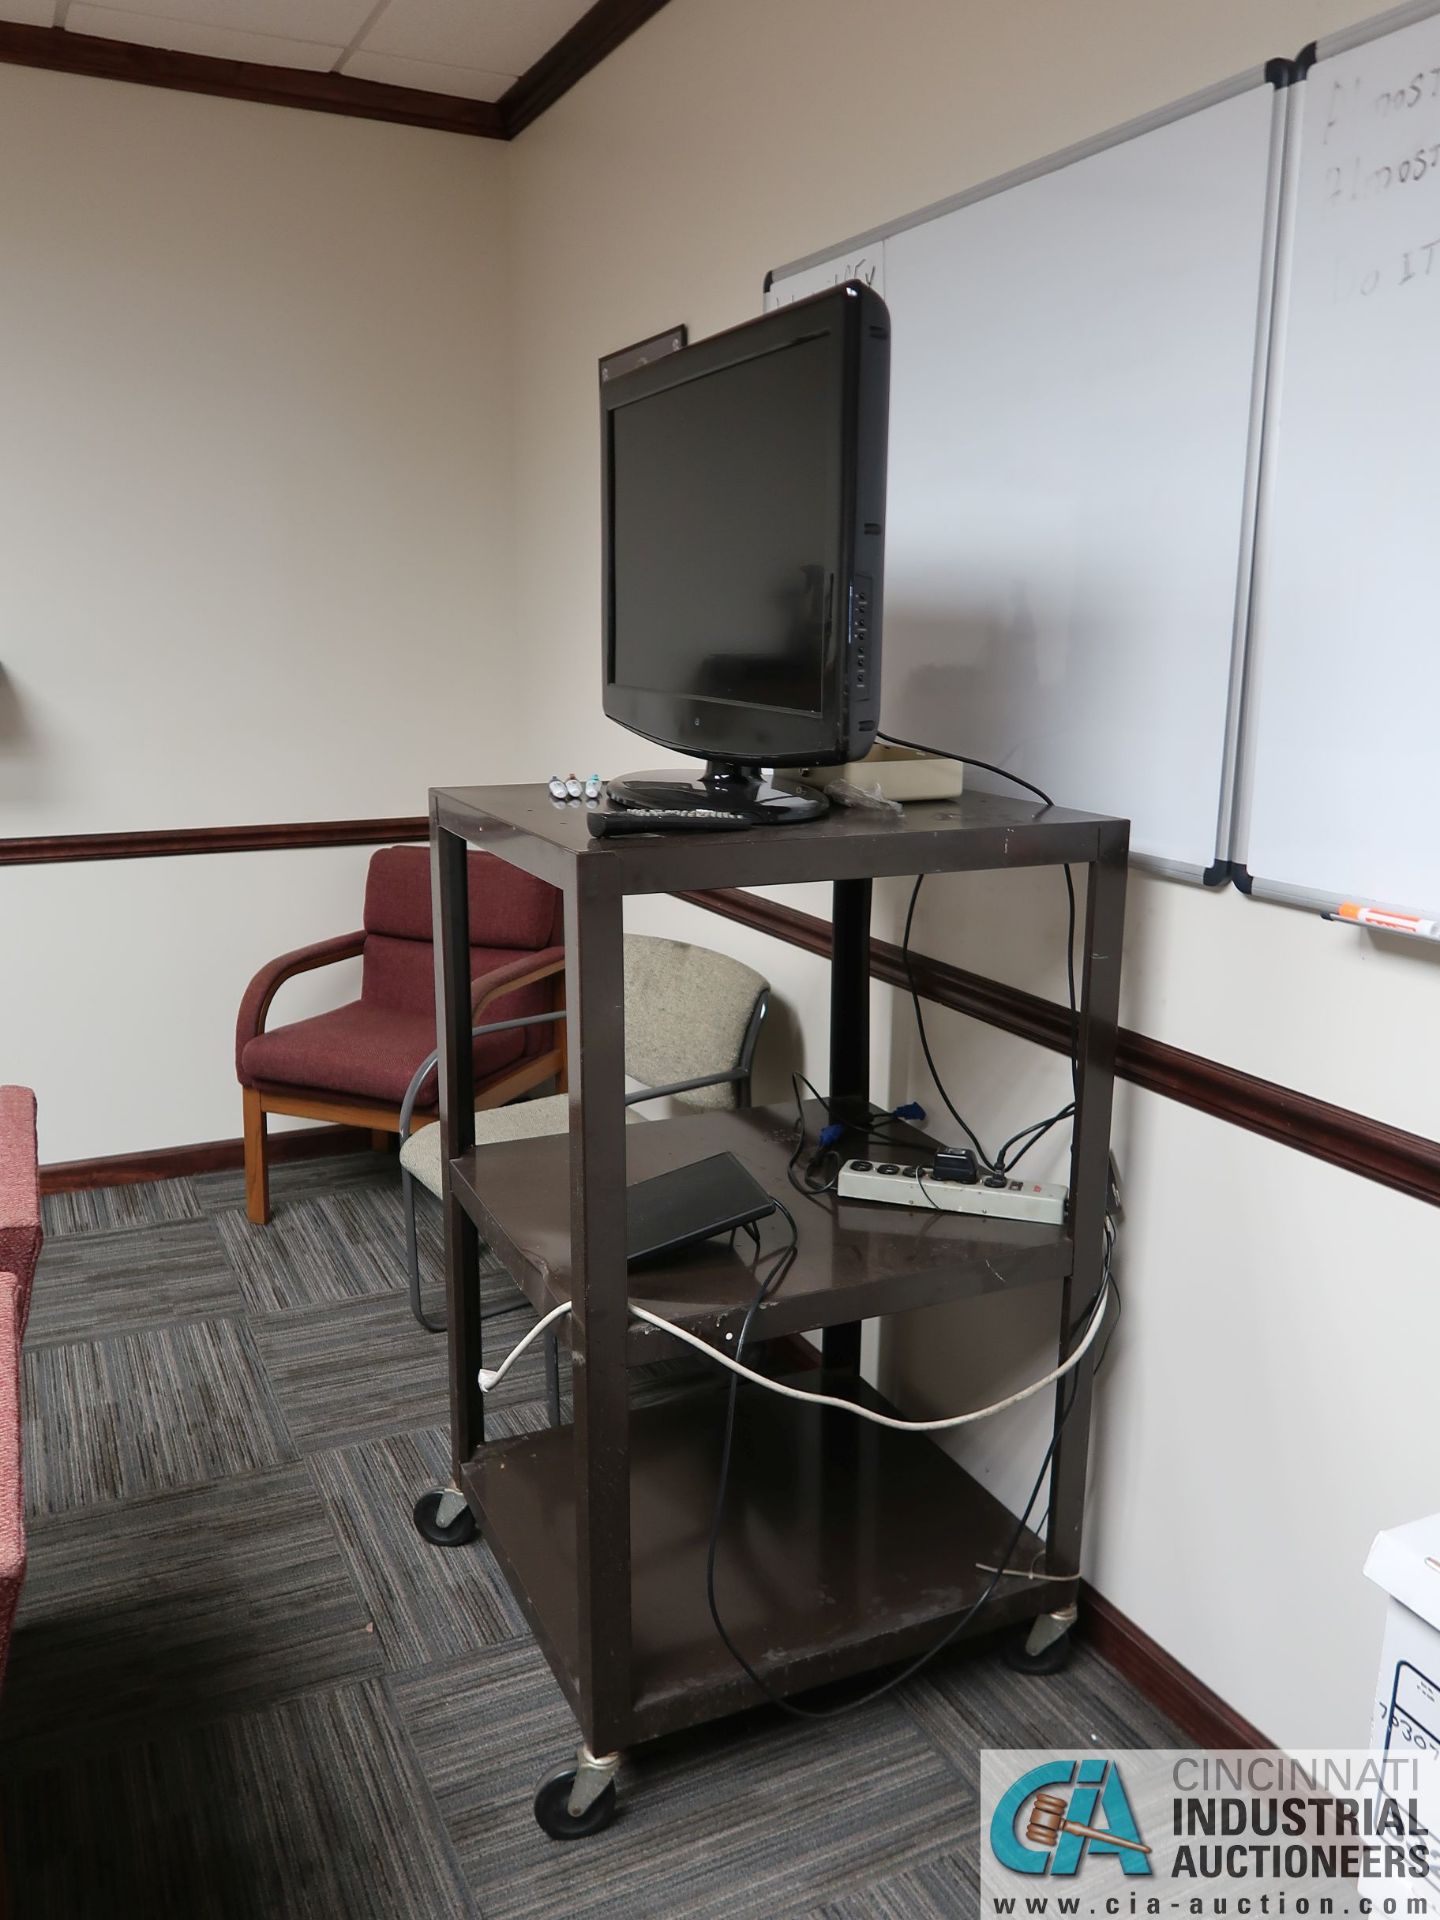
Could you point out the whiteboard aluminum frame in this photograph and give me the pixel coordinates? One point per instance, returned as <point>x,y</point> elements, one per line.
<point>1344,40</point>
<point>1220,871</point>
<point>1284,248</point>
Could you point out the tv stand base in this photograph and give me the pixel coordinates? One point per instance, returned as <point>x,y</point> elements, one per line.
<point>723,784</point>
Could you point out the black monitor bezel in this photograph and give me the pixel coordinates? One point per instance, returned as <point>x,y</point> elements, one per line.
<point>843,728</point>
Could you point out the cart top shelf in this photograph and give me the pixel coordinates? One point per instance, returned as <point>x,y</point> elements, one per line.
<point>549,837</point>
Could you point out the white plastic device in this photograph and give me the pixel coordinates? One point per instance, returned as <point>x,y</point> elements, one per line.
<point>899,1186</point>
<point>896,773</point>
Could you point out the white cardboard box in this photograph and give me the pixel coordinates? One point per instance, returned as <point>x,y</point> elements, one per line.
<point>1405,1718</point>
<point>1405,1561</point>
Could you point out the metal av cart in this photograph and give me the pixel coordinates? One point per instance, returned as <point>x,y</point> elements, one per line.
<point>846,1546</point>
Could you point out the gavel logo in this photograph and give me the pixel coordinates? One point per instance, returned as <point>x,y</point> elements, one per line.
<point>1047,1822</point>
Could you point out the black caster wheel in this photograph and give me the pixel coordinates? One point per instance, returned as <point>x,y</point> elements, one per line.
<point>459,1531</point>
<point>1050,1659</point>
<point>552,1807</point>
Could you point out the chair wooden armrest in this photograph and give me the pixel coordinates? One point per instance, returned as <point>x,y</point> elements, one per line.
<point>272,976</point>
<point>523,971</point>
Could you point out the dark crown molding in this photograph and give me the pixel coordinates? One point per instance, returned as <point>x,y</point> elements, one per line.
<point>594,35</point>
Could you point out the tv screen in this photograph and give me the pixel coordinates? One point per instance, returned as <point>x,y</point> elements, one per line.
<point>727,494</point>
<point>744,505</point>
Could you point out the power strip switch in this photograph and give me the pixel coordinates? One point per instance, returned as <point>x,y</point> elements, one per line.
<point>899,1186</point>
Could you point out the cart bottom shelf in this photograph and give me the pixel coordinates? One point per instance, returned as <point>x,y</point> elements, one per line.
<point>844,1546</point>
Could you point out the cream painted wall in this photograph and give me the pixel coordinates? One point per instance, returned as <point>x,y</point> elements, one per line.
<point>254,554</point>
<point>1265,1406</point>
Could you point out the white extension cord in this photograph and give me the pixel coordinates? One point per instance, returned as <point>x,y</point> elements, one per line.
<point>492,1376</point>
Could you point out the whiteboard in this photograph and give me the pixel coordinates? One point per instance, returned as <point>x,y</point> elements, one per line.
<point>1073,428</point>
<point>863,263</point>
<point>1340,786</point>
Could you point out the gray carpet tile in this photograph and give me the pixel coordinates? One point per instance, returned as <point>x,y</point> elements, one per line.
<point>313,1810</point>
<point>132,1414</point>
<point>351,1373</point>
<point>145,1203</point>
<point>94,1283</point>
<point>940,1889</point>
<point>242,1685</point>
<point>325,1249</point>
<point>971,1700</point>
<point>427,1603</point>
<point>498,1292</point>
<point>740,1821</point>
<point>177,1609</point>
<point>310,1254</point>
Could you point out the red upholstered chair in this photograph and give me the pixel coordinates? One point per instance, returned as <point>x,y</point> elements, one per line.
<point>20,1234</point>
<point>19,1249</point>
<point>354,1064</point>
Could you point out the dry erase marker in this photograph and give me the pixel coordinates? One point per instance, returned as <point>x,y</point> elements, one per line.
<point>1393,922</point>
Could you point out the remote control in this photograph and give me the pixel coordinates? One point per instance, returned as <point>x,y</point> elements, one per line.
<point>918,1187</point>
<point>666,820</point>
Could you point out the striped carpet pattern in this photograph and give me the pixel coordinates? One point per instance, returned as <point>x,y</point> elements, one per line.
<point>242,1685</point>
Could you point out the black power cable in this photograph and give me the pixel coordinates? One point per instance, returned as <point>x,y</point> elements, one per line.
<point>1003,1161</point>
<point>1024,1140</point>
<point>956,1628</point>
<point>877,1129</point>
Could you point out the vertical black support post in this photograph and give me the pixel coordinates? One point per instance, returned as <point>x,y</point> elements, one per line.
<point>595,996</point>
<point>1089,1183</point>
<point>850,1001</point>
<point>849,1054</point>
<point>450,895</point>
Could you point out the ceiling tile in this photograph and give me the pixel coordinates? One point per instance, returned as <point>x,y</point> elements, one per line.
<point>329,23</point>
<point>114,23</point>
<point>496,36</point>
<point>469,83</point>
<point>29,13</point>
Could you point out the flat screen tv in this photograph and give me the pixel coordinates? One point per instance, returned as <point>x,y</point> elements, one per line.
<point>744,513</point>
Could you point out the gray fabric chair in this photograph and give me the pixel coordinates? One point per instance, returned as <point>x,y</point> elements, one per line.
<point>692,1021</point>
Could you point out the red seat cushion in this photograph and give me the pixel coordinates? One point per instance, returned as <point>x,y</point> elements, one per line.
<point>370,1052</point>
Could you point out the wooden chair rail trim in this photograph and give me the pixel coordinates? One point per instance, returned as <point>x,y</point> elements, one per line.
<point>1376,1151</point>
<point>1392,1157</point>
<point>38,850</point>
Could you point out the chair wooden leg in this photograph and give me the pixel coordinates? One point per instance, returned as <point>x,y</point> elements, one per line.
<point>257,1168</point>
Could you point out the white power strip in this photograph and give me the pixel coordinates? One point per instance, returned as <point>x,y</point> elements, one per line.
<point>917,1187</point>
